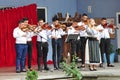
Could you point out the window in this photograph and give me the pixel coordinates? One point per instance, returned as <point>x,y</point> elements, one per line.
<point>42,13</point>
<point>118,19</point>
<point>118,31</point>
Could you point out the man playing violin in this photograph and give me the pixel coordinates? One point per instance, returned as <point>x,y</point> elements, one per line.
<point>30,34</point>
<point>57,46</point>
<point>20,46</point>
<point>73,29</point>
<point>83,37</point>
<point>55,22</point>
<point>42,44</point>
<point>104,31</point>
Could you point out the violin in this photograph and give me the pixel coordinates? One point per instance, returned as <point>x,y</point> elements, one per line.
<point>82,27</point>
<point>29,28</point>
<point>57,26</point>
<point>86,22</point>
<point>109,26</point>
<point>24,28</point>
<point>46,26</point>
<point>104,25</point>
<point>76,27</point>
<point>63,26</point>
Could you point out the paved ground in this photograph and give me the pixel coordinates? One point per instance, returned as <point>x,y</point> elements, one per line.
<point>8,73</point>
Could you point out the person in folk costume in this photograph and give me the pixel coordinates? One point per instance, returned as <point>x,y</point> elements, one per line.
<point>92,50</point>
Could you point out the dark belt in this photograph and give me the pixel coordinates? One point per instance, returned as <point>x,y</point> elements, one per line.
<point>105,38</point>
<point>57,38</point>
<point>41,42</point>
<point>29,41</point>
<point>83,37</point>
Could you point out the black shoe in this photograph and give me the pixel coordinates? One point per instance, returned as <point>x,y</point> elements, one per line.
<point>46,68</point>
<point>94,69</point>
<point>91,69</point>
<point>29,69</point>
<point>110,65</point>
<point>55,68</point>
<point>101,65</point>
<point>59,68</point>
<point>78,66</point>
<point>39,69</point>
<point>82,66</point>
<point>23,70</point>
<point>18,71</point>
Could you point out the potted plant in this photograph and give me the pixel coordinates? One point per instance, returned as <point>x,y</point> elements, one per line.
<point>118,53</point>
<point>112,54</point>
<point>71,69</point>
<point>31,75</point>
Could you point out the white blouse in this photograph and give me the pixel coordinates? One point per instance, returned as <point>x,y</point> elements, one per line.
<point>92,32</point>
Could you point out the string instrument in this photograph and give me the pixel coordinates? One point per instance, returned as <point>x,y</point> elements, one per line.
<point>43,27</point>
<point>24,29</point>
<point>46,26</point>
<point>29,28</point>
<point>86,22</point>
<point>112,26</point>
<point>57,26</point>
<point>63,27</point>
<point>77,28</point>
<point>80,28</point>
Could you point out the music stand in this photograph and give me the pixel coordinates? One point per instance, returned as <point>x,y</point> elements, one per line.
<point>71,37</point>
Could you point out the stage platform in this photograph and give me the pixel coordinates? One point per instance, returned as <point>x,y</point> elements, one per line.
<point>106,73</point>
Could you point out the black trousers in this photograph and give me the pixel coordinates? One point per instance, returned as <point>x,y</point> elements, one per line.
<point>29,43</point>
<point>82,48</point>
<point>42,51</point>
<point>105,48</point>
<point>75,47</point>
<point>57,49</point>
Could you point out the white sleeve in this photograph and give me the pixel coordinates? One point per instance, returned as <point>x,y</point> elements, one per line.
<point>61,32</point>
<point>49,33</point>
<point>16,33</point>
<point>80,23</point>
<point>89,31</point>
<point>99,27</point>
<point>69,31</point>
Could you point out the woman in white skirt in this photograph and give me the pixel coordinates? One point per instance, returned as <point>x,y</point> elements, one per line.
<point>92,51</point>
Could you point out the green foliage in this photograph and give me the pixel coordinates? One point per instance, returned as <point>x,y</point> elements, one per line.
<point>31,75</point>
<point>118,51</point>
<point>71,69</point>
<point>112,48</point>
